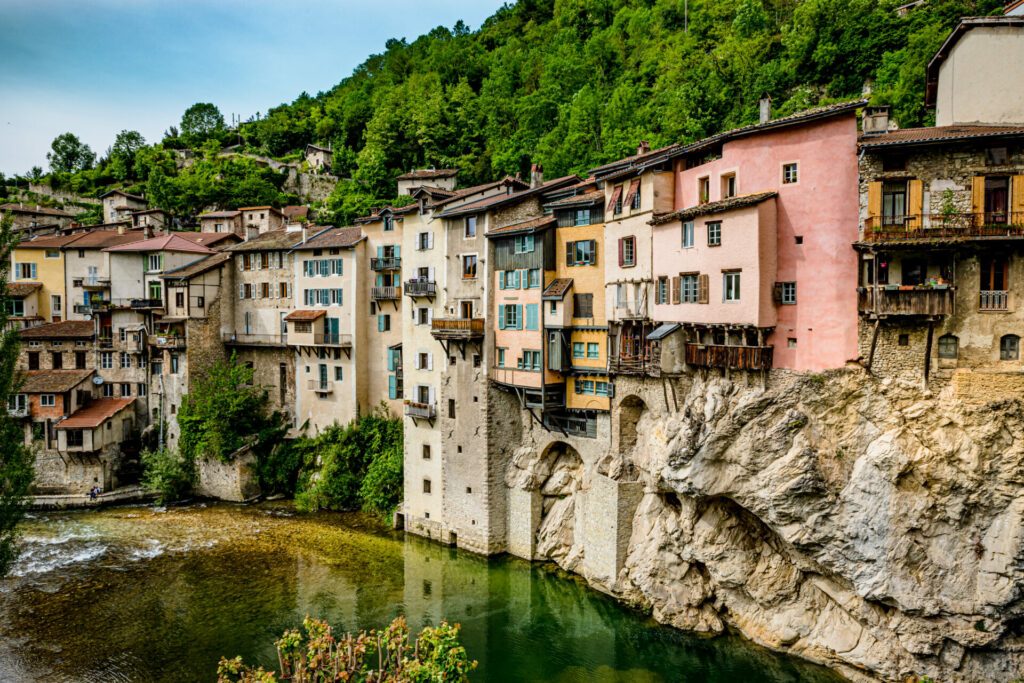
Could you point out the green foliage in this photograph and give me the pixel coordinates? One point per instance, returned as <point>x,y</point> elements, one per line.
<point>68,154</point>
<point>224,411</point>
<point>121,160</point>
<point>15,458</point>
<point>201,122</point>
<point>167,474</point>
<point>212,180</point>
<point>357,466</point>
<point>316,655</point>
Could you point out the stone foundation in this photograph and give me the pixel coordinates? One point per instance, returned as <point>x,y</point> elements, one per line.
<point>233,481</point>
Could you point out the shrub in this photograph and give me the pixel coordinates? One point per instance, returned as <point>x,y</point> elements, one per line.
<point>317,655</point>
<point>168,474</point>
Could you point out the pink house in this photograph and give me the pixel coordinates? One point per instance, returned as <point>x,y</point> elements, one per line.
<point>755,265</point>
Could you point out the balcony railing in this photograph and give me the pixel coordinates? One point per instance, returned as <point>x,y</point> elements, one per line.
<point>387,263</point>
<point>243,339</point>
<point>630,310</point>
<point>420,287</point>
<point>147,303</point>
<point>994,300</point>
<point>18,412</point>
<point>937,226</point>
<point>424,411</point>
<point>457,328</point>
<point>385,293</point>
<point>321,387</point>
<point>332,339</point>
<point>731,357</point>
<point>105,342</point>
<point>895,300</point>
<point>166,342</point>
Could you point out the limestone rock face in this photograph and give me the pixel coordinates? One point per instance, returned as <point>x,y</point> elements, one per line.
<point>869,525</point>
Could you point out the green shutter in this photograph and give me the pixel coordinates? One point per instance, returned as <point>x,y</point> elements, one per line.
<point>531,316</point>
<point>501,316</point>
<point>392,387</point>
<point>519,316</point>
<point>380,252</point>
<point>501,279</point>
<point>515,279</point>
<point>380,323</point>
<point>398,251</point>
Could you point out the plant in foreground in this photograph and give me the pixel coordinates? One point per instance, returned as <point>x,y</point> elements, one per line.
<point>317,656</point>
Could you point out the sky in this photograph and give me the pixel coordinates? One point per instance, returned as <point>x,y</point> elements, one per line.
<point>101,66</point>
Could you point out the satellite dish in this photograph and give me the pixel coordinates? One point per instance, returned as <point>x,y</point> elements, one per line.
<point>88,317</point>
<point>97,380</point>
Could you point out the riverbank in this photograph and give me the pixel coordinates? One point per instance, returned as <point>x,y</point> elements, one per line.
<point>68,501</point>
<point>141,594</point>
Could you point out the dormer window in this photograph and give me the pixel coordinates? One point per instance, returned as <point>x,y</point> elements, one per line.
<point>389,223</point>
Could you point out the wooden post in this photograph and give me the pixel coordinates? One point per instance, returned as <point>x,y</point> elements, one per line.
<point>928,350</point>
<point>874,343</point>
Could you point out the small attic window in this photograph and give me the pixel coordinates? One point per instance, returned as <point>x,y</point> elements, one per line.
<point>997,156</point>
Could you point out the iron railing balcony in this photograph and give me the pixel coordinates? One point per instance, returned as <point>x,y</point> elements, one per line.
<point>424,411</point>
<point>420,287</point>
<point>457,328</point>
<point>244,339</point>
<point>994,300</point>
<point>378,264</point>
<point>319,387</point>
<point>922,228</point>
<point>902,300</point>
<point>147,303</point>
<point>385,293</point>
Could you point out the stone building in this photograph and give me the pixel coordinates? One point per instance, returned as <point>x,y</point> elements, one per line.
<point>87,269</point>
<point>221,221</point>
<point>35,219</point>
<point>257,220</point>
<point>319,158</point>
<point>324,329</point>
<point>439,178</point>
<point>152,220</point>
<point>23,305</point>
<point>119,205</point>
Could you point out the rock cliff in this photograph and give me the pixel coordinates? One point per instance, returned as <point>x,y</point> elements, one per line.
<point>870,525</point>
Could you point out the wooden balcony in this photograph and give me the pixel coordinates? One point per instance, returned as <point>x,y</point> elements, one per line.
<point>457,328</point>
<point>332,339</point>
<point>421,411</point>
<point>730,357</point>
<point>159,341</point>
<point>924,228</point>
<point>880,301</point>
<point>418,287</point>
<point>385,293</point>
<point>388,263</point>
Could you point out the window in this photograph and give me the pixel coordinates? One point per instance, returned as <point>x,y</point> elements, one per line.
<point>126,360</point>
<point>55,304</point>
<point>997,200</point>
<point>533,316</point>
<point>894,202</point>
<point>426,451</point>
<point>583,305</point>
<point>553,308</point>
<point>156,262</point>
<point>687,234</point>
<point>174,364</point>
<point>531,361</point>
<point>126,389</point>
<point>731,286</point>
<point>688,288</point>
<point>511,317</point>
<point>17,403</point>
<point>423,241</point>
<point>423,362</point>
<point>426,486</point>
<point>16,307</point>
<point>577,349</point>
<point>25,271</point>
<point>141,389</point>
<point>787,291</point>
<point>57,360</point>
<point>703,190</point>
<point>47,400</point>
<point>789,174</point>
<point>523,244</point>
<point>383,322</point>
<point>714,233</point>
<point>451,408</point>
<point>593,351</point>
<point>661,292</point>
<point>501,357</point>
<point>618,200</point>
<point>728,185</point>
<point>470,232</point>
<point>201,301</point>
<point>627,252</point>
<point>534,278</point>
<point>581,253</point>
<point>107,360</point>
<point>156,291</point>
<point>582,217</point>
<point>635,203</point>
<point>1009,347</point>
<point>423,316</point>
<point>52,253</point>
<point>949,346</point>
<point>389,223</point>
<point>338,373</point>
<point>468,266</point>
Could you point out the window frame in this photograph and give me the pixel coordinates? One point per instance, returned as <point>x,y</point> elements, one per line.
<point>731,293</point>
<point>717,232</point>
<point>787,167</point>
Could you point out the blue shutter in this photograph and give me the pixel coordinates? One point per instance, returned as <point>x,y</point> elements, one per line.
<point>391,361</point>
<point>519,316</point>
<point>380,323</point>
<point>501,279</point>
<point>515,279</point>
<point>531,316</point>
<point>380,252</point>
<point>501,316</point>
<point>398,251</point>
<point>392,387</point>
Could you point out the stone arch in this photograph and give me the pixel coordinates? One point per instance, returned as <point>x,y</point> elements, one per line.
<point>631,409</point>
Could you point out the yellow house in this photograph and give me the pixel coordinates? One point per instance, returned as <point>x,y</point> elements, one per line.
<point>41,260</point>
<point>579,301</point>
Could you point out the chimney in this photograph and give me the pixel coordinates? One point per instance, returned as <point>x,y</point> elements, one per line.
<point>536,175</point>
<point>147,230</point>
<point>875,120</point>
<point>764,109</point>
<point>120,229</point>
<point>305,233</point>
<point>643,148</point>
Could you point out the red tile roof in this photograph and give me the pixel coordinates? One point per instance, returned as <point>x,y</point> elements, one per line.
<point>293,212</point>
<point>41,210</point>
<point>48,242</point>
<point>197,267</point>
<point>100,239</point>
<point>66,329</point>
<point>220,214</point>
<point>937,134</point>
<point>53,381</point>
<point>557,289</point>
<point>426,173</point>
<point>712,208</point>
<point>508,198</point>
<point>19,290</point>
<point>123,194</point>
<point>333,238</point>
<point>531,225</point>
<point>96,413</point>
<point>304,316</point>
<point>171,242</point>
<point>583,199</point>
<point>271,240</point>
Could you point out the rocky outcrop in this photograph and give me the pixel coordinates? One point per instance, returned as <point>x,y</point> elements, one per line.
<point>870,525</point>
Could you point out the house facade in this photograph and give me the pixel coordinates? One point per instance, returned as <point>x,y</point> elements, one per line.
<point>119,206</point>
<point>41,261</point>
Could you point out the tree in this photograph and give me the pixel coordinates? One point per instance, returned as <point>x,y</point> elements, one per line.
<point>201,122</point>
<point>15,458</point>
<point>69,154</point>
<point>126,145</point>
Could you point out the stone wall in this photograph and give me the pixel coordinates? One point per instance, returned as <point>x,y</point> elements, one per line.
<point>233,481</point>
<point>64,473</point>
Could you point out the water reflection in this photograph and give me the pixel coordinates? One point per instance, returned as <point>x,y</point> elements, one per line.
<point>169,593</point>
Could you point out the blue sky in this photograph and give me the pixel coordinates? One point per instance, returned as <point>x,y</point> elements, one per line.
<point>95,67</point>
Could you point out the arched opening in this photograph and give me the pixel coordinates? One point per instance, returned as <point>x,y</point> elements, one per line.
<point>564,468</point>
<point>630,410</point>
<point>949,347</point>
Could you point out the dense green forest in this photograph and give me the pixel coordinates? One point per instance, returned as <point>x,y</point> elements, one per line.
<point>566,83</point>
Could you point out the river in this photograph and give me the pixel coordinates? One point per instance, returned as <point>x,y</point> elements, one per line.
<point>143,594</point>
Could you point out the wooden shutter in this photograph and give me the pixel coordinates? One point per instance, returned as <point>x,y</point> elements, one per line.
<point>622,249</point>
<point>978,199</point>
<point>634,187</point>
<point>593,252</point>
<point>702,288</point>
<point>1017,199</point>
<point>915,203</point>
<point>777,293</point>
<point>875,199</point>
<point>615,198</point>
<point>570,247</point>
<point>676,286</point>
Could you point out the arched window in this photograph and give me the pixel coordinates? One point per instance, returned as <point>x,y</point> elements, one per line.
<point>948,346</point>
<point>1009,347</point>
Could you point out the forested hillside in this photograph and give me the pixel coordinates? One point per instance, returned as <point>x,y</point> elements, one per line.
<point>569,84</point>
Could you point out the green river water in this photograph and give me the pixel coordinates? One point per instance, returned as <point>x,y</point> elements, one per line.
<point>140,594</point>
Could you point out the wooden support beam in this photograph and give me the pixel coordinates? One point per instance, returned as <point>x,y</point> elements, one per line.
<point>928,350</point>
<point>874,343</point>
